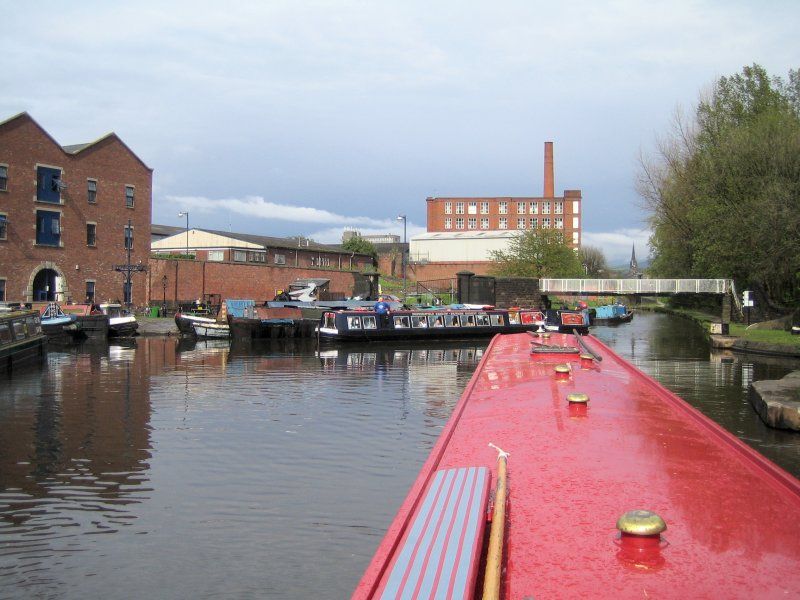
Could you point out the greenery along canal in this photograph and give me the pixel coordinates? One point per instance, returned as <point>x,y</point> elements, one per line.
<point>174,470</point>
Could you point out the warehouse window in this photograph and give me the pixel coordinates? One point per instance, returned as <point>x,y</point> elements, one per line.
<point>545,208</point>
<point>503,208</point>
<point>91,234</point>
<point>3,178</point>
<point>484,223</point>
<point>3,226</point>
<point>240,256</point>
<point>216,255</point>
<point>558,208</point>
<point>129,196</point>
<point>472,223</point>
<point>459,208</point>
<point>89,291</point>
<point>503,223</point>
<point>448,208</point>
<point>448,223</point>
<point>459,223</point>
<point>91,190</point>
<point>521,223</point>
<point>534,208</point>
<point>559,223</point>
<point>2,289</point>
<point>48,228</point>
<point>49,185</point>
<point>280,259</point>
<point>546,223</point>
<point>128,232</point>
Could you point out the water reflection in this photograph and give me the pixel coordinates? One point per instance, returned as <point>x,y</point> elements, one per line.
<point>74,452</point>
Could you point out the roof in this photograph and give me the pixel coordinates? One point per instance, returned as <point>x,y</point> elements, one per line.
<point>466,235</point>
<point>75,149</point>
<point>266,241</point>
<point>165,230</point>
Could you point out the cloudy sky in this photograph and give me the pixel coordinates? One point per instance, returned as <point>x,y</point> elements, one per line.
<point>287,118</point>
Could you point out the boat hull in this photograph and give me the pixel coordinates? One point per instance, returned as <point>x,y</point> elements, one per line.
<point>212,330</point>
<point>22,340</point>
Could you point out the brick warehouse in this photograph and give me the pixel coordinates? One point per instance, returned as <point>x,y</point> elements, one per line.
<point>64,213</point>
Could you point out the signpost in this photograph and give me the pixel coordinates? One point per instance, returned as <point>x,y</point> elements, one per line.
<point>128,269</point>
<point>747,303</point>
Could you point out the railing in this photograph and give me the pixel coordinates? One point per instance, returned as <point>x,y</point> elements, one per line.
<point>636,286</point>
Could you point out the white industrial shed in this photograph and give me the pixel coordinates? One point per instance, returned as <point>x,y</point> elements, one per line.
<point>458,246</point>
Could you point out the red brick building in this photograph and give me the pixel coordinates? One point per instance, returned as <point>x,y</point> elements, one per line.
<point>512,213</point>
<point>65,214</point>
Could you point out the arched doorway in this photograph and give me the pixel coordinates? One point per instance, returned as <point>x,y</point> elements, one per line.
<point>44,286</point>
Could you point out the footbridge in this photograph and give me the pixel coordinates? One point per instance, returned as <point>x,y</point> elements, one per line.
<point>636,287</point>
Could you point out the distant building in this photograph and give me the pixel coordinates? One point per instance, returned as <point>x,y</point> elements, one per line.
<point>385,238</point>
<point>463,231</point>
<point>633,267</point>
<point>68,215</point>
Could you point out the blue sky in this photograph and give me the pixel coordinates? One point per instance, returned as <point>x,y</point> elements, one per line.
<point>287,118</point>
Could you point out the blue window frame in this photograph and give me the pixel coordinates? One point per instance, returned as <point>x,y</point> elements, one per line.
<point>48,185</point>
<point>48,228</point>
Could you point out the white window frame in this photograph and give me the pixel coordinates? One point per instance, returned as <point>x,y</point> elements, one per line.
<point>280,259</point>
<point>448,223</point>
<point>534,208</point>
<point>558,223</point>
<point>216,255</point>
<point>448,208</point>
<point>484,222</point>
<point>576,207</point>
<point>472,223</point>
<point>472,208</point>
<point>503,223</point>
<point>239,256</point>
<point>521,208</point>
<point>576,222</point>
<point>545,208</point>
<point>558,208</point>
<point>484,208</point>
<point>546,223</point>
<point>459,208</point>
<point>502,208</point>
<point>521,223</point>
<point>460,223</point>
<point>534,223</point>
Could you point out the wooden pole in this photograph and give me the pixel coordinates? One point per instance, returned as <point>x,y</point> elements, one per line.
<point>494,556</point>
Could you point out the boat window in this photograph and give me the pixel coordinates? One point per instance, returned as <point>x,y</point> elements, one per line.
<point>5,334</point>
<point>330,321</point>
<point>452,321</point>
<point>419,321</point>
<point>19,329</point>
<point>33,325</point>
<point>497,320</point>
<point>482,320</point>
<point>435,321</point>
<point>354,322</point>
<point>468,320</point>
<point>369,323</point>
<point>401,322</point>
<point>513,317</point>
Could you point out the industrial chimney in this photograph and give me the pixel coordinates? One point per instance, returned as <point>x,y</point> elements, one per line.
<point>549,183</point>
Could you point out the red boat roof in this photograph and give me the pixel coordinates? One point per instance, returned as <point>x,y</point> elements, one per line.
<point>732,516</point>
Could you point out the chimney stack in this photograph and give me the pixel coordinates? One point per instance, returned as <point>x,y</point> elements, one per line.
<point>549,183</point>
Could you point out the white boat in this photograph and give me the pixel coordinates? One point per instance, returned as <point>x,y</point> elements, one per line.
<point>213,329</point>
<point>120,322</point>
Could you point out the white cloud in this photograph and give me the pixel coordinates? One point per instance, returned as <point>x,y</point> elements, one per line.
<point>616,245</point>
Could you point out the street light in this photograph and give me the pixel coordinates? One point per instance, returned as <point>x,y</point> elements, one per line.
<point>186,214</point>
<point>404,220</point>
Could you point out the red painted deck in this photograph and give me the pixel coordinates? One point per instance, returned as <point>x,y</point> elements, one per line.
<point>733,517</point>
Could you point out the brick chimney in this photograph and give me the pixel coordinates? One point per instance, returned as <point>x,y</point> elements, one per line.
<point>549,182</point>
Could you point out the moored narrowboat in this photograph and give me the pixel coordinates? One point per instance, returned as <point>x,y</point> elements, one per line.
<point>120,322</point>
<point>610,314</point>
<point>368,325</point>
<point>93,323</point>
<point>595,481</point>
<point>57,326</point>
<point>21,338</point>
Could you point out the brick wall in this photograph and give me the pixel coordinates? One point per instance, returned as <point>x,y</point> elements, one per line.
<point>517,291</point>
<point>23,146</point>
<point>187,280</point>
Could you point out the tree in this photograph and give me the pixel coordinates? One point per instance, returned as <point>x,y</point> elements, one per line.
<point>593,261</point>
<point>723,190</point>
<point>542,253</point>
<point>361,246</point>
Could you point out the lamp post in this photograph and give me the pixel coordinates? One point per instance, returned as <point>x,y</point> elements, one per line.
<point>403,259</point>
<point>164,302</point>
<point>186,214</point>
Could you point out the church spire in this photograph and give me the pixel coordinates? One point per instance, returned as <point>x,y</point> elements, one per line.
<point>634,267</point>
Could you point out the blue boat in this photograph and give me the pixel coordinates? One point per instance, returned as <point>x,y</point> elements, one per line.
<point>610,314</point>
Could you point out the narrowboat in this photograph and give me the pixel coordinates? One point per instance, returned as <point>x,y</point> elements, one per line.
<point>368,325</point>
<point>21,338</point>
<point>610,314</point>
<point>575,475</point>
<point>120,322</point>
<point>186,322</point>
<point>94,324</point>
<point>567,321</point>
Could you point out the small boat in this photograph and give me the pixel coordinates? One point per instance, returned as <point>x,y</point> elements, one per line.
<point>120,322</point>
<point>211,330</point>
<point>431,324</point>
<point>94,324</point>
<point>59,327</point>
<point>21,338</point>
<point>186,321</point>
<point>610,314</point>
<point>575,475</point>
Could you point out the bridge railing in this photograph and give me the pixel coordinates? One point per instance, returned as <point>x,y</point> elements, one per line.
<point>636,286</point>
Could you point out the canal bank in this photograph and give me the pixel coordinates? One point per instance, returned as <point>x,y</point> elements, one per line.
<point>738,343</point>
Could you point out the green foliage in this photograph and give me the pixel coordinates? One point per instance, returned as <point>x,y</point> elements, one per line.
<point>724,191</point>
<point>541,253</point>
<point>361,246</point>
<point>594,261</point>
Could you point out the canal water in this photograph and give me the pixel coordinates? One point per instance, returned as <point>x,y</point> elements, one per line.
<point>167,469</point>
